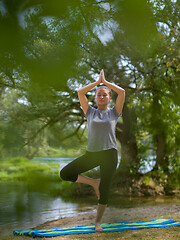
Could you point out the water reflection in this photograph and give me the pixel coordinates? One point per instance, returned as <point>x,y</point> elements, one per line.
<point>61,161</point>
<point>22,209</point>
<point>24,206</point>
<point>142,201</point>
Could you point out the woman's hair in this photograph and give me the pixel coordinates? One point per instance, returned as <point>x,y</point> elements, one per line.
<point>107,88</point>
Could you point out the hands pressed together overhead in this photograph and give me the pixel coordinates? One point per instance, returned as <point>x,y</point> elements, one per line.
<point>120,91</point>
<point>101,77</point>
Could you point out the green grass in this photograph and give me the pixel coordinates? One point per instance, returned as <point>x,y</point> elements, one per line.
<point>63,152</point>
<point>22,169</point>
<point>39,177</point>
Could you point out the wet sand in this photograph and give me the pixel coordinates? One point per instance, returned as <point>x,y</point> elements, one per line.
<point>119,215</point>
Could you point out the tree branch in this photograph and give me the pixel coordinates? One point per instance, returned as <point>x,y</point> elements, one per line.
<point>74,133</point>
<point>89,27</point>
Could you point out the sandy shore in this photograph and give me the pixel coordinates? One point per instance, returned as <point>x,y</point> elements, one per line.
<point>143,213</point>
<point>119,215</point>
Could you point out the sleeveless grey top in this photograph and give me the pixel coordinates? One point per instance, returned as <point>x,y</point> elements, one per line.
<point>101,129</point>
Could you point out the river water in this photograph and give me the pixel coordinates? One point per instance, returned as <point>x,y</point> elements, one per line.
<point>23,207</point>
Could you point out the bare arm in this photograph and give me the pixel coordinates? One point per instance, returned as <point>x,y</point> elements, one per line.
<point>120,91</point>
<point>82,94</point>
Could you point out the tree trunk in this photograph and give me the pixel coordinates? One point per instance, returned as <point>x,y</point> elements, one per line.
<point>126,136</point>
<point>159,136</point>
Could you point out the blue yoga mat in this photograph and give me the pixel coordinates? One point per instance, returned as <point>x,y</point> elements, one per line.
<point>107,227</point>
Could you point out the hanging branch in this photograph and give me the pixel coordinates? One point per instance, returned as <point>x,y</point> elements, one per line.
<point>75,132</point>
<point>89,27</point>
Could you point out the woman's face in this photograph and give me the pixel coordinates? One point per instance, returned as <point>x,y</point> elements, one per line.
<point>102,97</point>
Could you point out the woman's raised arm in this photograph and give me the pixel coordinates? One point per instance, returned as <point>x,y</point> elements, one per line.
<point>82,93</point>
<point>120,91</point>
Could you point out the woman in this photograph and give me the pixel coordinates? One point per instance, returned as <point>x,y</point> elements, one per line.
<point>101,148</point>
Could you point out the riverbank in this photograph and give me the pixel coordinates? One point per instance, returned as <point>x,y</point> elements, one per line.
<point>118,215</point>
<point>22,169</point>
<point>44,178</point>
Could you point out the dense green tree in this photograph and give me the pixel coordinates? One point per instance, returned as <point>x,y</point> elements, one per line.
<point>50,49</point>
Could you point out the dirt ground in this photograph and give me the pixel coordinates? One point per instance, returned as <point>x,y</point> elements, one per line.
<point>119,215</point>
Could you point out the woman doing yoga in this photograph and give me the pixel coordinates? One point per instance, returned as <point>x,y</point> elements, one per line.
<point>101,147</point>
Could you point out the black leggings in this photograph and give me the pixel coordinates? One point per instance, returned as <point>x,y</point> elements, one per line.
<point>107,160</point>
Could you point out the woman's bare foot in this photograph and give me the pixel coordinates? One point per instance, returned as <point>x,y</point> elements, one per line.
<point>95,185</point>
<point>98,227</point>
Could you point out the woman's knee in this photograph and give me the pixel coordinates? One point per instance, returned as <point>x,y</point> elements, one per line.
<point>64,174</point>
<point>68,176</point>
